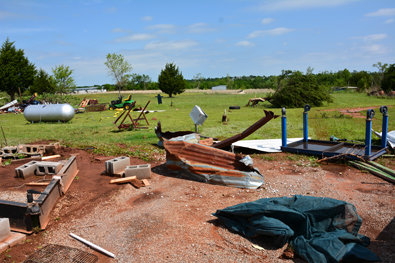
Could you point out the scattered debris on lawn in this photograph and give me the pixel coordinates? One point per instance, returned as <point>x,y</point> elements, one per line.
<point>61,254</point>
<point>268,145</point>
<point>255,101</point>
<point>135,122</point>
<point>85,102</point>
<point>335,149</point>
<point>318,229</point>
<point>376,169</point>
<point>211,165</point>
<point>269,115</point>
<point>98,107</point>
<point>390,137</point>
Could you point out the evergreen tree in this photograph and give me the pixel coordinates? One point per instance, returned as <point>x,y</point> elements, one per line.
<point>43,83</point>
<point>15,70</point>
<point>171,81</point>
<point>388,82</point>
<point>300,90</point>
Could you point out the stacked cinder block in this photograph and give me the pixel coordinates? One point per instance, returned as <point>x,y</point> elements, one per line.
<point>26,170</point>
<point>5,230</point>
<point>44,168</point>
<point>117,165</point>
<point>140,171</point>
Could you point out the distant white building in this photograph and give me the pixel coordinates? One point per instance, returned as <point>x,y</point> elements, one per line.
<point>89,90</point>
<point>220,87</point>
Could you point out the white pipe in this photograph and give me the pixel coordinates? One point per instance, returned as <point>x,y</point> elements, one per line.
<point>86,242</point>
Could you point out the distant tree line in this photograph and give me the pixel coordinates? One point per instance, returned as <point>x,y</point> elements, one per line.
<point>19,75</point>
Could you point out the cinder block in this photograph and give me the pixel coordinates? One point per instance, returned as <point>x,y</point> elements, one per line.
<point>44,168</point>
<point>3,247</point>
<point>15,238</point>
<point>26,170</point>
<point>5,230</point>
<point>10,150</point>
<point>140,171</point>
<point>117,165</point>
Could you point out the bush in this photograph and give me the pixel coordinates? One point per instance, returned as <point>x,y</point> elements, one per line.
<point>299,91</point>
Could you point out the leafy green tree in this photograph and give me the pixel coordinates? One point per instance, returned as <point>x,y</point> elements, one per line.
<point>43,83</point>
<point>63,79</point>
<point>388,82</point>
<point>382,69</point>
<point>171,81</point>
<point>300,90</point>
<point>198,79</point>
<point>139,82</point>
<point>118,68</point>
<point>15,70</point>
<point>109,87</point>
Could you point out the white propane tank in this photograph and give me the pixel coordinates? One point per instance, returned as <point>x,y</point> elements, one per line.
<point>50,112</point>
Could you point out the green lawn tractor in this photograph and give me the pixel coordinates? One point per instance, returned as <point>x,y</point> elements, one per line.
<point>119,104</point>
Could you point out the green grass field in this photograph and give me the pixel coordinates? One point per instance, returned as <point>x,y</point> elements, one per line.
<point>97,130</point>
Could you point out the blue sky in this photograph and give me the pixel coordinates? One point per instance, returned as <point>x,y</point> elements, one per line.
<point>214,38</point>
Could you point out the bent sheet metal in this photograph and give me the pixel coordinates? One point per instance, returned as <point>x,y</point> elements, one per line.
<point>211,165</point>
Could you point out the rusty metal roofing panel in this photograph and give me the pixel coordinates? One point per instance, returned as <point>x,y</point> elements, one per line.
<point>211,165</point>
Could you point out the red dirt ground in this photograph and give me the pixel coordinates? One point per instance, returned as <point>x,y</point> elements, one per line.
<point>372,196</point>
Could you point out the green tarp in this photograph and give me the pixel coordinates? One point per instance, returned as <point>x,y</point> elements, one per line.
<point>319,229</point>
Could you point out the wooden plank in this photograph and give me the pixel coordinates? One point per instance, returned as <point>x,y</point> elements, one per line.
<point>123,180</point>
<point>145,182</point>
<point>50,157</point>
<point>136,183</point>
<point>37,184</point>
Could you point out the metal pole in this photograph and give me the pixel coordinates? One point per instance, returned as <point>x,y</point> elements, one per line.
<point>4,136</point>
<point>86,242</point>
<point>284,128</point>
<point>368,133</point>
<point>305,124</point>
<point>384,130</point>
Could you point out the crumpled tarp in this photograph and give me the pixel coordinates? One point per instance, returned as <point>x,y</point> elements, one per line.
<point>319,229</point>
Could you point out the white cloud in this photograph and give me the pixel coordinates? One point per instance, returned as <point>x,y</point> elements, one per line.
<point>371,38</point>
<point>163,28</point>
<point>271,32</point>
<point>266,21</point>
<point>300,4</point>
<point>383,12</point>
<point>245,44</point>
<point>147,18</point>
<point>200,28</point>
<point>119,30</point>
<point>8,15</point>
<point>170,45</point>
<point>111,10</point>
<point>389,21</point>
<point>135,37</point>
<point>374,49</point>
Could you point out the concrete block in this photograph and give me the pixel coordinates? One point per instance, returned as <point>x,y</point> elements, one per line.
<point>142,171</point>
<point>29,149</point>
<point>26,170</point>
<point>5,230</point>
<point>117,165</point>
<point>44,168</point>
<point>15,238</point>
<point>3,247</point>
<point>9,150</point>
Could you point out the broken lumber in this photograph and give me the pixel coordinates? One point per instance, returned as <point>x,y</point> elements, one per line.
<point>123,180</point>
<point>137,183</point>
<point>50,157</point>
<point>37,184</point>
<point>145,182</point>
